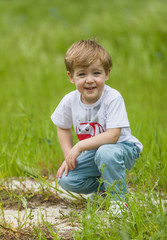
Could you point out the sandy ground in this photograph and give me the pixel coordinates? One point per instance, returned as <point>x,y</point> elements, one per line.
<point>61,212</point>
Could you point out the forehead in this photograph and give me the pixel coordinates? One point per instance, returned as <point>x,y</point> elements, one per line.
<point>95,65</point>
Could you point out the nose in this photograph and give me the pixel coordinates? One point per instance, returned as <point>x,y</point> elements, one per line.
<point>89,79</point>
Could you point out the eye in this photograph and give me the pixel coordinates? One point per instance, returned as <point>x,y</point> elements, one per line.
<point>87,129</point>
<point>96,73</point>
<point>79,129</point>
<point>81,74</point>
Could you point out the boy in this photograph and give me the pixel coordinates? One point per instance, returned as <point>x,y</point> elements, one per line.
<point>106,147</point>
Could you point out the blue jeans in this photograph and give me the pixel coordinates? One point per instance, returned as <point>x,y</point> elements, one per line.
<point>109,161</point>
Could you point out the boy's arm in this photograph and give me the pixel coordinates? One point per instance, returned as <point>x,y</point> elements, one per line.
<point>65,140</point>
<point>66,143</point>
<point>111,136</point>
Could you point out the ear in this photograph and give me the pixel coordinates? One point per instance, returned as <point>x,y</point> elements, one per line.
<point>108,74</point>
<point>70,77</point>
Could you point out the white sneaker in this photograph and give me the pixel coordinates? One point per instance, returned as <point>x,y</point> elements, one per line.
<point>117,208</point>
<point>91,196</point>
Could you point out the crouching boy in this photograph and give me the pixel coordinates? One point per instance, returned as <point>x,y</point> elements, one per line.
<point>97,112</point>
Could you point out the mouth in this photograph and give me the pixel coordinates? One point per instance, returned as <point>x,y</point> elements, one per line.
<point>90,88</point>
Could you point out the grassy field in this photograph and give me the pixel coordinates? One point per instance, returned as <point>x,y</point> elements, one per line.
<point>34,36</point>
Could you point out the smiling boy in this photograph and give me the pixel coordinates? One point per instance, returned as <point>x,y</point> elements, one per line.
<point>98,115</point>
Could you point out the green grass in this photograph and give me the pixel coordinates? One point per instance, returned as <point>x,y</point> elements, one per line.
<point>143,221</point>
<point>34,36</point>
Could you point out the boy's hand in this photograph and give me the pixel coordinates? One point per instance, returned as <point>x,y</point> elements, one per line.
<point>71,158</point>
<point>70,162</point>
<point>63,168</point>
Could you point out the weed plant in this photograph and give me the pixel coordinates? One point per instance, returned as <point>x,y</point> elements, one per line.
<point>145,219</point>
<point>34,36</point>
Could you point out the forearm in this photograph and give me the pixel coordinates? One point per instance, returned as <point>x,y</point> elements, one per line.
<point>65,139</point>
<point>109,137</point>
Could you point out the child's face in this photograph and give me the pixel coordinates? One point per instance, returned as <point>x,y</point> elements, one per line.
<point>89,81</point>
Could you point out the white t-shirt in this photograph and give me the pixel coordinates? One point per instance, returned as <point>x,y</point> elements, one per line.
<point>89,120</point>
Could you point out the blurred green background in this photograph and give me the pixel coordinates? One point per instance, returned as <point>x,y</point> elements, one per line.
<point>34,36</point>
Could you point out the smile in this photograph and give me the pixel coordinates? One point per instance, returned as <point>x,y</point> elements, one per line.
<point>90,88</point>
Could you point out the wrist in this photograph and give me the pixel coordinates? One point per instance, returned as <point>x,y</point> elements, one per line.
<point>79,146</point>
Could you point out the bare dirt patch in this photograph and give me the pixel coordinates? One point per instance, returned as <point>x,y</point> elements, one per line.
<point>39,209</point>
<point>29,208</point>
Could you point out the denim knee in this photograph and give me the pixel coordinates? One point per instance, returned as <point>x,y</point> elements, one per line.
<point>108,154</point>
<point>78,185</point>
<point>64,182</point>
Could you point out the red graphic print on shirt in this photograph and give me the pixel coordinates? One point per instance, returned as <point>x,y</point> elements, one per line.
<point>88,130</point>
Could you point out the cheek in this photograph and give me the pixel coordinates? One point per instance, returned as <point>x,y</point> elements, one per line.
<point>101,84</point>
<point>79,84</point>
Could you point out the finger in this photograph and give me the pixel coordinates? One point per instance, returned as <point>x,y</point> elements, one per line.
<point>60,172</point>
<point>57,174</point>
<point>66,171</point>
<point>68,163</point>
<point>70,166</point>
<point>74,164</point>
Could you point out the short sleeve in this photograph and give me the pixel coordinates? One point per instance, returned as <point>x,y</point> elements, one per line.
<point>116,116</point>
<point>62,116</point>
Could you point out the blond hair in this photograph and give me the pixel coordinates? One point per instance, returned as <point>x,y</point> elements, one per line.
<point>86,52</point>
